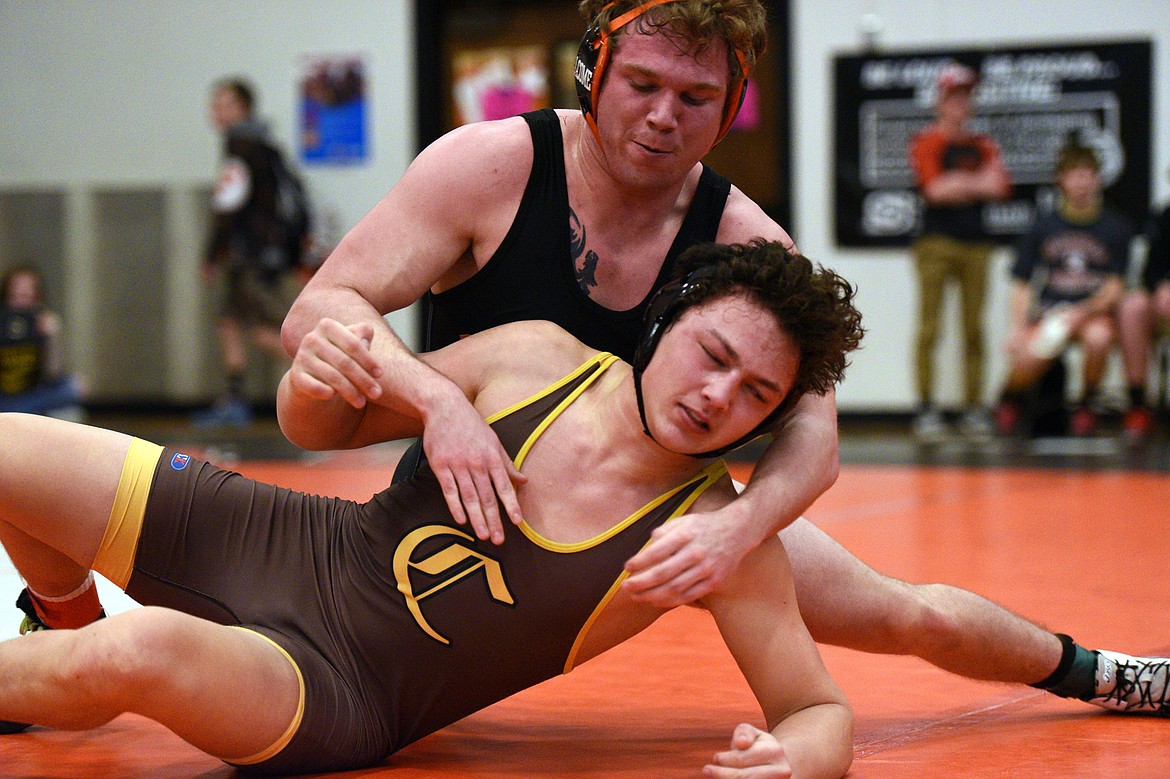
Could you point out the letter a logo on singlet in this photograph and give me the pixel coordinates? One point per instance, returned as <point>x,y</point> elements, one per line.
<point>446,566</point>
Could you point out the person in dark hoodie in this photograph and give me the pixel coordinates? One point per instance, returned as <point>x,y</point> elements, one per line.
<point>247,245</point>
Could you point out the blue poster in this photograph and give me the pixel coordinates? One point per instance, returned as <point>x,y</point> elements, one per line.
<point>333,111</point>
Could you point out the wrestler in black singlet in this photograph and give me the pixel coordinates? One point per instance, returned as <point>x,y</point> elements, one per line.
<point>531,275</point>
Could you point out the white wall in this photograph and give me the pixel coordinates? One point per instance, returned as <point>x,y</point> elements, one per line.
<point>114,93</point>
<point>882,374</point>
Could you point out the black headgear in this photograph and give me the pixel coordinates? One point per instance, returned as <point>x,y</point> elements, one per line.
<point>593,57</point>
<point>670,301</point>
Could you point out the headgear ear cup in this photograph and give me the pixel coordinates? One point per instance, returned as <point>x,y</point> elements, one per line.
<point>735,97</point>
<point>586,71</point>
<point>660,313</point>
<point>593,56</point>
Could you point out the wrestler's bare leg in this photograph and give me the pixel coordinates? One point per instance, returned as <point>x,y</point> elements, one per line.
<point>57,486</point>
<point>227,691</point>
<point>846,603</point>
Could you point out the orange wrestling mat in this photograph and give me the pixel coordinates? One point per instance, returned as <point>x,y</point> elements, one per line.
<point>1086,553</point>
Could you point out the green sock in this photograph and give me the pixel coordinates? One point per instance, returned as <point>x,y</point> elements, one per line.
<point>1076,674</point>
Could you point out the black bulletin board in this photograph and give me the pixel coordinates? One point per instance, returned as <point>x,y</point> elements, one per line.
<point>1030,99</point>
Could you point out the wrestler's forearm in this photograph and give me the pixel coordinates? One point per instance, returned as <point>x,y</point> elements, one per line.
<point>315,424</point>
<point>796,468</point>
<point>320,299</point>
<point>414,395</point>
<point>342,393</point>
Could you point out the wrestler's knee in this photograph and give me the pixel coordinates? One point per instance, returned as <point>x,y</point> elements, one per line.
<point>115,662</point>
<point>919,619</point>
<point>904,619</point>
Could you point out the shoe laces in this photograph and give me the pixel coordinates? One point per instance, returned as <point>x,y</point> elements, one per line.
<point>30,625</point>
<point>1141,684</point>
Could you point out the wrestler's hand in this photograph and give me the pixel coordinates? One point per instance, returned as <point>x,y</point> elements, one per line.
<point>754,753</point>
<point>686,558</point>
<point>335,360</point>
<point>473,468</point>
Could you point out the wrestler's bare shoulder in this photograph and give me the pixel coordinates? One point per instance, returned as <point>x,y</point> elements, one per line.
<point>504,141</point>
<point>537,345</point>
<point>507,363</point>
<point>744,220</point>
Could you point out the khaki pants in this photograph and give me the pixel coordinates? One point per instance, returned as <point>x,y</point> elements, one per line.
<point>939,259</point>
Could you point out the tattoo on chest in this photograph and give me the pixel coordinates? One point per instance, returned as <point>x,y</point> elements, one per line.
<point>584,260</point>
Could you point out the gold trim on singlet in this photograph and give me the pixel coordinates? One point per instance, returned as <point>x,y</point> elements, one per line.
<point>293,726</point>
<point>577,546</point>
<point>604,359</point>
<point>711,474</point>
<point>115,555</point>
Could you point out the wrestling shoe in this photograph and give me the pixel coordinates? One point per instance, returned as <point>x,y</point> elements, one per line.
<point>1137,685</point>
<point>929,427</point>
<point>32,621</point>
<point>30,624</point>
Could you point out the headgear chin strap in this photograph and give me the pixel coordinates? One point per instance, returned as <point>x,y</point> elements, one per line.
<point>593,57</point>
<point>670,301</point>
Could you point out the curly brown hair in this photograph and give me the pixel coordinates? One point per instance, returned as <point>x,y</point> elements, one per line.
<point>812,304</point>
<point>742,24</point>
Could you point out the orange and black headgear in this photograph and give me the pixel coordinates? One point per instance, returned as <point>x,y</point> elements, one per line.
<point>593,57</point>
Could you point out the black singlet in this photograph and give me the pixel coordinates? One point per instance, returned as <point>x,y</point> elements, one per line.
<point>531,275</point>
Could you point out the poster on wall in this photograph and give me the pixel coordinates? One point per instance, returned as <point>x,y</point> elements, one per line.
<point>1030,99</point>
<point>333,109</point>
<point>499,82</point>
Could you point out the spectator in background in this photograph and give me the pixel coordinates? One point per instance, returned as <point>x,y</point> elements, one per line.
<point>248,246</point>
<point>956,171</point>
<point>1067,280</point>
<point>33,379</point>
<point>1141,310</point>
